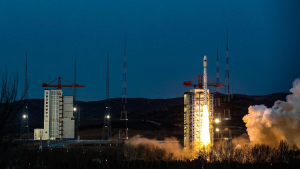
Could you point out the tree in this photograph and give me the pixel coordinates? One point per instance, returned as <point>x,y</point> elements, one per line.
<point>10,105</point>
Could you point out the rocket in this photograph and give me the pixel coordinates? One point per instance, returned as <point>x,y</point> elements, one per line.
<point>205,79</point>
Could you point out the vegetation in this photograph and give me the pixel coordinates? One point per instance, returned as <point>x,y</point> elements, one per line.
<point>10,105</point>
<point>146,157</point>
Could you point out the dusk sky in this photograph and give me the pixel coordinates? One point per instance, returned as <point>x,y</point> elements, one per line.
<point>166,42</point>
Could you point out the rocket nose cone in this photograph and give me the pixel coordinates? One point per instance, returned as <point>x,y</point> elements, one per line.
<point>205,61</point>
<point>205,58</point>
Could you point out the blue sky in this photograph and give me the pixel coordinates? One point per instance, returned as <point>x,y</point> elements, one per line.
<point>166,42</point>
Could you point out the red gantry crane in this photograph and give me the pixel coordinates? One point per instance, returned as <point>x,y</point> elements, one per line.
<point>59,85</point>
<point>200,82</point>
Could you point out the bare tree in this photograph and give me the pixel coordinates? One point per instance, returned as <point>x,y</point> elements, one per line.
<point>10,105</point>
<point>283,151</point>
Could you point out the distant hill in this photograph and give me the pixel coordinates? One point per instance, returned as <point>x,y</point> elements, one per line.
<point>148,113</point>
<point>95,109</point>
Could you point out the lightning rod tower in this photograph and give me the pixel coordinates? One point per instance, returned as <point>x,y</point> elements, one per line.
<point>227,91</point>
<point>217,71</point>
<point>74,89</point>
<point>75,103</point>
<point>123,133</point>
<point>25,123</point>
<point>107,122</point>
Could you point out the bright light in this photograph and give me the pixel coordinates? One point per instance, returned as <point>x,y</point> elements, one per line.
<point>24,116</point>
<point>74,109</point>
<point>217,120</point>
<point>108,116</point>
<point>196,126</point>
<point>201,125</point>
<point>217,129</point>
<point>205,135</point>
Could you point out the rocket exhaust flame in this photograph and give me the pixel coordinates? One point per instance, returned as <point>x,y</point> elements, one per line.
<point>205,135</point>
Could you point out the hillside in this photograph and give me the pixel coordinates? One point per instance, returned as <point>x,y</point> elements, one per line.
<point>95,109</point>
<point>165,115</point>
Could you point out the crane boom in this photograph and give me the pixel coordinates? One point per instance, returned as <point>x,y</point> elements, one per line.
<point>59,85</point>
<point>200,82</point>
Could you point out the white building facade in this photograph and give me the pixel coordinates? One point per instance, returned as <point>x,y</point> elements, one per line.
<point>59,122</point>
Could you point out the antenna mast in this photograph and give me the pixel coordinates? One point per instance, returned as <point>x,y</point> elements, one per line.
<point>217,71</point>
<point>123,133</point>
<point>25,125</point>
<point>107,124</point>
<point>74,90</point>
<point>75,104</point>
<point>227,91</point>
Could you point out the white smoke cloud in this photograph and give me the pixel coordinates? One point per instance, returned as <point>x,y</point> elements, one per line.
<point>170,145</point>
<point>281,122</point>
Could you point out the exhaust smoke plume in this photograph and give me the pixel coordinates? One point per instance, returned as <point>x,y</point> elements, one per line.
<point>170,145</point>
<point>281,122</point>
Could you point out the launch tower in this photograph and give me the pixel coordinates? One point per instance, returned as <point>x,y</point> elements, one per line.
<point>59,120</point>
<point>198,114</point>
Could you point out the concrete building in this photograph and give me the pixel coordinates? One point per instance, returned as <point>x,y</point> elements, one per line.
<point>193,120</point>
<point>59,122</point>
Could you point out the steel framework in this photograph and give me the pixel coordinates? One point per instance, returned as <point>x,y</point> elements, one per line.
<point>76,114</point>
<point>217,71</point>
<point>123,133</point>
<point>25,122</point>
<point>193,113</point>
<point>200,82</point>
<point>59,85</point>
<point>227,91</point>
<point>107,122</point>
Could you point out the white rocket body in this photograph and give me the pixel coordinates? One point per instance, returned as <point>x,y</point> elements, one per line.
<point>205,79</point>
